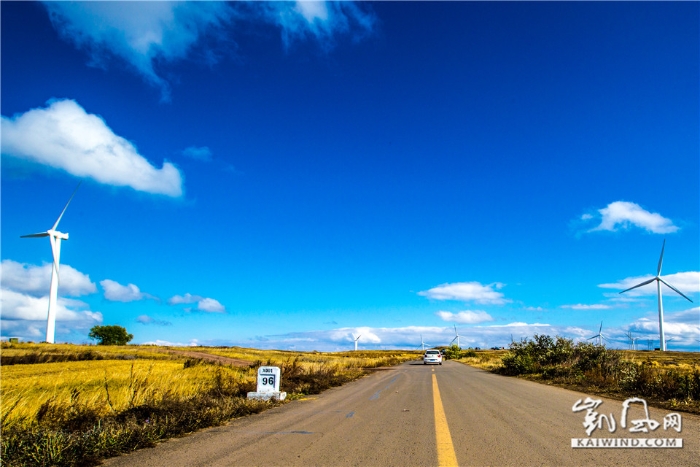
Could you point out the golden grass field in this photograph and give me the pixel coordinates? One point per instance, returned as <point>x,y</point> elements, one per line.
<point>142,374</point>
<point>681,361</point>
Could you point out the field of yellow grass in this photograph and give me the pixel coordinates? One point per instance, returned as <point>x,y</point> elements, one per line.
<point>117,378</point>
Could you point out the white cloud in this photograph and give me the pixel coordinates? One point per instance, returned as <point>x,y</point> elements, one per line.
<point>683,327</point>
<point>192,343</point>
<point>19,306</point>
<point>187,298</point>
<point>83,145</point>
<point>465,317</point>
<point>687,282</point>
<point>197,153</point>
<point>35,280</point>
<point>151,35</point>
<point>579,306</point>
<point>623,214</point>
<point>24,300</point>
<point>208,305</point>
<point>116,292</point>
<point>409,337</point>
<point>467,291</point>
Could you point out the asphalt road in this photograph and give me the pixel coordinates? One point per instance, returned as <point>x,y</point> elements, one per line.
<point>416,415</point>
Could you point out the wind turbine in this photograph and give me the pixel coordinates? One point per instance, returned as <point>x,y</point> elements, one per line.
<point>456,338</point>
<point>423,344</point>
<point>599,335</point>
<point>669,340</point>
<point>633,340</point>
<point>659,280</point>
<point>356,339</point>
<point>55,238</point>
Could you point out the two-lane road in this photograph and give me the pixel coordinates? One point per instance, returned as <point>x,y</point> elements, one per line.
<point>416,415</point>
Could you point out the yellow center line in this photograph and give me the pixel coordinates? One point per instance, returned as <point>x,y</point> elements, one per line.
<point>445,449</point>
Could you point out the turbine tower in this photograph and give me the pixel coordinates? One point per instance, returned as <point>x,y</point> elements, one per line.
<point>423,344</point>
<point>356,339</point>
<point>659,280</point>
<point>456,338</point>
<point>600,335</point>
<point>55,238</point>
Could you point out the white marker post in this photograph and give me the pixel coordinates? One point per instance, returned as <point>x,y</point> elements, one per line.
<point>268,385</point>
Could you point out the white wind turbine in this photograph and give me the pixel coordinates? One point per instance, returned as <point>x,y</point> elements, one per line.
<point>633,340</point>
<point>600,335</point>
<point>356,339</point>
<point>659,280</point>
<point>55,238</point>
<point>423,344</point>
<point>456,338</point>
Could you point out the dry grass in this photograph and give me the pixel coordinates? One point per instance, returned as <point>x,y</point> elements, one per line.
<point>665,379</point>
<point>109,386</point>
<point>104,386</point>
<point>681,361</point>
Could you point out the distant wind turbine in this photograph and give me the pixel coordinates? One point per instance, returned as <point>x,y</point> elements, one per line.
<point>633,340</point>
<point>456,338</point>
<point>659,280</point>
<point>55,238</point>
<point>356,339</point>
<point>423,344</point>
<point>600,335</point>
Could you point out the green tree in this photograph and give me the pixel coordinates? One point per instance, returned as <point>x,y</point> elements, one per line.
<point>110,335</point>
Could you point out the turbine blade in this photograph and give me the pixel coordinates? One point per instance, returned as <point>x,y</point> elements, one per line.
<point>600,330</point>
<point>661,258</point>
<point>453,340</point>
<point>639,285</point>
<point>66,207</point>
<point>675,290</point>
<point>42,234</point>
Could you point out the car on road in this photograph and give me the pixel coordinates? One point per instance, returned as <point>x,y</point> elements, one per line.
<point>432,356</point>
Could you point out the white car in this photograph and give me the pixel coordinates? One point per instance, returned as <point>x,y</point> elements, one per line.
<point>432,356</point>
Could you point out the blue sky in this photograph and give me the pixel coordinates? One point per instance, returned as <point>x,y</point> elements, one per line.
<point>286,175</point>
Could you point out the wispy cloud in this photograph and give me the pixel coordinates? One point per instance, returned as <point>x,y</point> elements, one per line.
<point>624,215</point>
<point>197,153</point>
<point>150,35</point>
<point>116,292</point>
<point>465,317</point>
<point>468,292</point>
<point>145,319</point>
<point>83,145</point>
<point>686,282</point>
<point>579,306</point>
<point>208,305</point>
<point>318,20</point>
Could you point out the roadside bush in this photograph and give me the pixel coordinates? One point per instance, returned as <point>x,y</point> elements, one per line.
<point>598,368</point>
